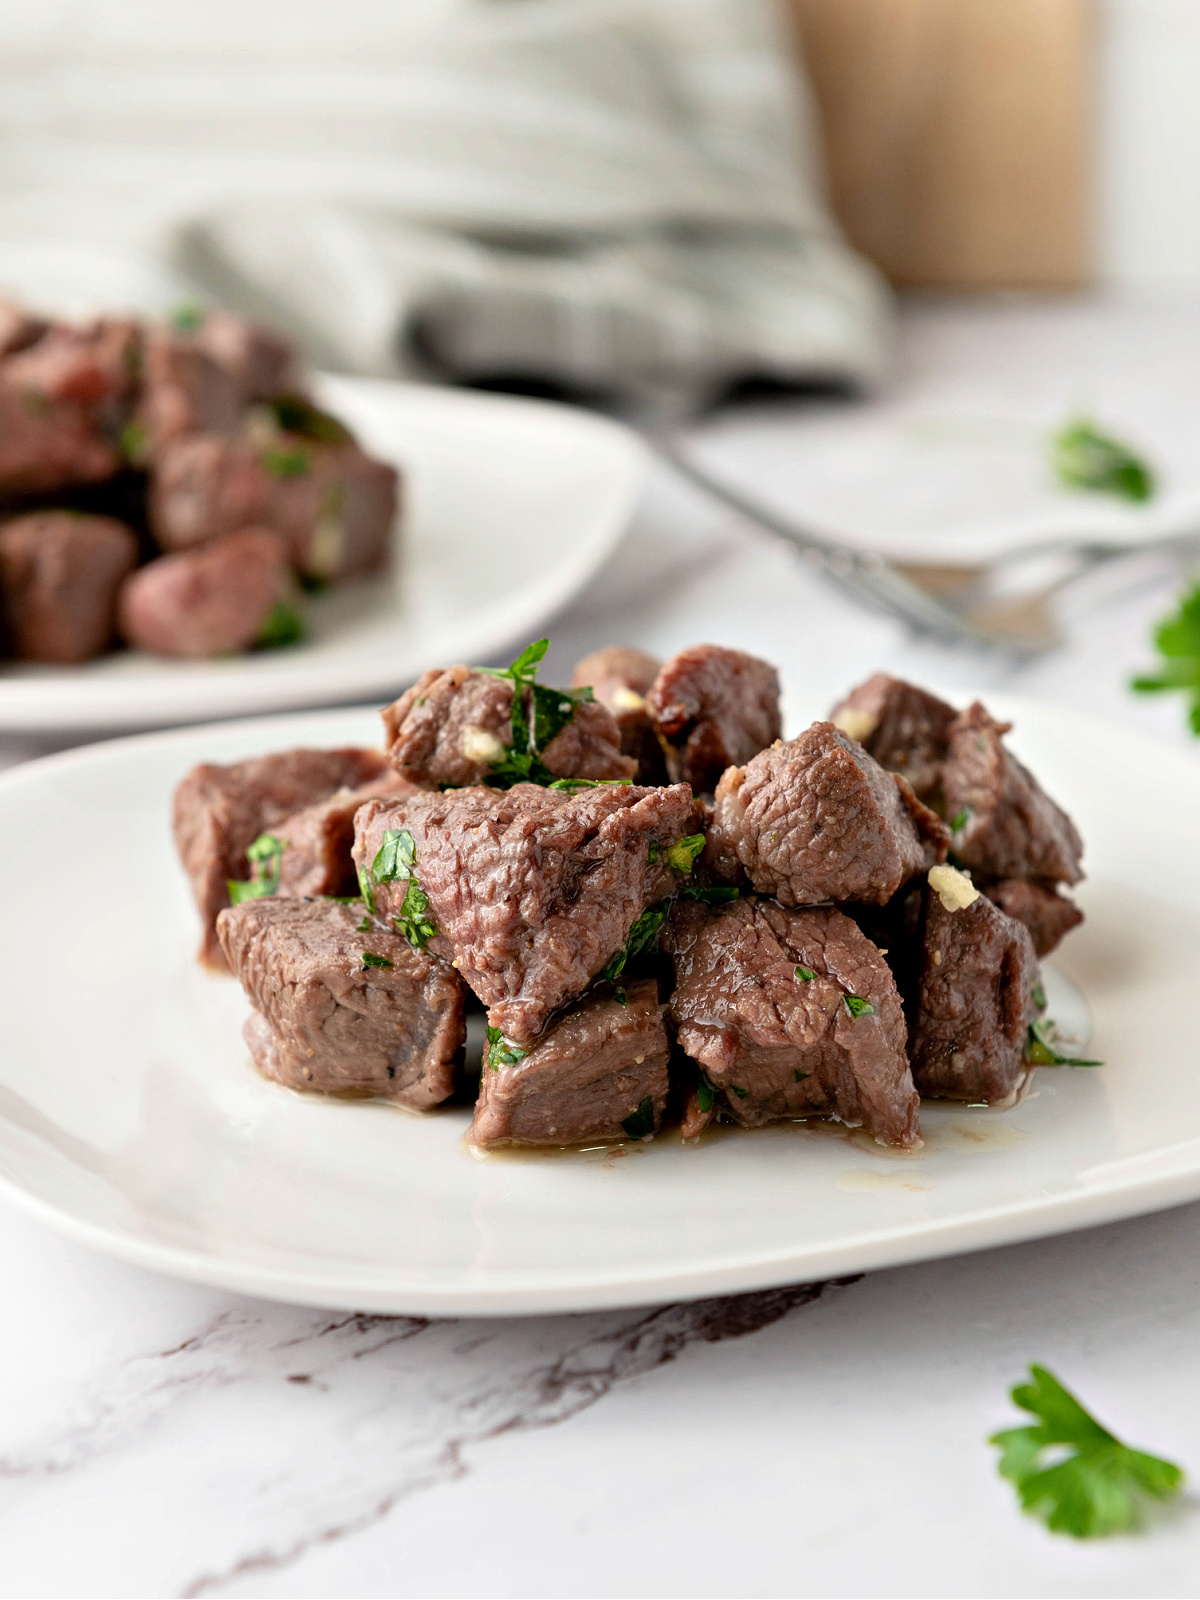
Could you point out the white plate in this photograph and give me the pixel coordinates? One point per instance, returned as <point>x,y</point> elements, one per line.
<point>129,1115</point>
<point>510,506</point>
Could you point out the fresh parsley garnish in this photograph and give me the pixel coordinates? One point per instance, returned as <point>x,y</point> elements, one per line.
<point>363,926</point>
<point>653,853</point>
<point>1177,640</point>
<point>413,919</point>
<point>294,414</point>
<point>1085,458</point>
<point>364,889</point>
<point>265,856</point>
<point>394,862</point>
<point>501,1052</point>
<point>857,1006</point>
<point>284,625</point>
<point>552,710</point>
<point>960,819</point>
<point>716,895</point>
<point>286,463</point>
<point>682,854</point>
<point>1041,1048</point>
<point>370,959</point>
<point>741,1093</point>
<point>805,974</point>
<point>706,1095</point>
<point>187,317</point>
<point>799,1076</point>
<point>395,858</point>
<point>573,785</point>
<point>1099,1487</point>
<point>640,1121</point>
<point>132,442</point>
<point>1038,995</point>
<point>641,937</point>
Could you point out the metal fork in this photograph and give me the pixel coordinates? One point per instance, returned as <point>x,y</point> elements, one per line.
<point>984,604</point>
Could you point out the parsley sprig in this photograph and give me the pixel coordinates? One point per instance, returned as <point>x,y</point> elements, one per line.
<point>1085,458</point>
<point>396,860</point>
<point>552,709</point>
<point>639,1124</point>
<point>1177,640</point>
<point>501,1052</point>
<point>1041,1047</point>
<point>283,625</point>
<point>642,937</point>
<point>265,856</point>
<point>1099,1487</point>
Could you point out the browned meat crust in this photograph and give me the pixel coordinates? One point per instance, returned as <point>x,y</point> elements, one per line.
<point>712,709</point>
<point>584,1077</point>
<point>761,1004</point>
<point>1048,915</point>
<point>817,819</point>
<point>906,729</point>
<point>59,577</point>
<point>326,1019</point>
<point>319,839</point>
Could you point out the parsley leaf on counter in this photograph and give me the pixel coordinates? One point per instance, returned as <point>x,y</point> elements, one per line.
<point>501,1052</point>
<point>1085,458</point>
<point>1177,640</point>
<point>264,856</point>
<point>1099,1488</point>
<point>640,1122</point>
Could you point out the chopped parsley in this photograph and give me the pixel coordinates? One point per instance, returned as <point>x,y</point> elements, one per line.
<point>294,414</point>
<point>706,1095</point>
<point>800,1076</point>
<point>283,625</point>
<point>413,919</point>
<point>132,442</point>
<point>394,862</point>
<point>960,819</point>
<point>805,974</point>
<point>1039,996</point>
<point>716,895</point>
<point>573,785</point>
<point>858,1007</point>
<point>501,1052</point>
<point>641,938</point>
<point>1085,458</point>
<point>364,889</point>
<point>370,959</point>
<point>640,1122</point>
<point>363,926</point>
<point>741,1093</point>
<point>682,854</point>
<point>1041,1047</point>
<point>1098,1486</point>
<point>395,858</point>
<point>286,463</point>
<point>521,761</point>
<point>265,856</point>
<point>654,851</point>
<point>1177,640</point>
<point>187,317</point>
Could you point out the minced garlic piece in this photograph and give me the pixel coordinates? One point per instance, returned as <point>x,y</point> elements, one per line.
<point>477,744</point>
<point>953,888</point>
<point>856,724</point>
<point>628,699</point>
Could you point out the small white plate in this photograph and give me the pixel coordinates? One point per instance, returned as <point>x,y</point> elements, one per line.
<point>130,1117</point>
<point>509,507</point>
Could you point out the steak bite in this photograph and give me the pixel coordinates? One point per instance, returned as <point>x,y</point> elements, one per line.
<point>220,810</point>
<point>317,858</point>
<point>906,729</point>
<point>597,1072</point>
<point>338,1007</point>
<point>455,725</point>
<point>184,390</point>
<point>712,709</point>
<point>532,891</point>
<point>818,819</point>
<point>59,577</point>
<point>621,679</point>
<point>214,601</point>
<point>790,1014</point>
<point>1048,915</point>
<point>1004,825</point>
<point>974,999</point>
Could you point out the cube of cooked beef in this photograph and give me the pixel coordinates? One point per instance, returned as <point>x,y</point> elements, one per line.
<point>261,363</point>
<point>319,840</point>
<point>598,1072</point>
<point>1004,825</point>
<point>184,390</point>
<point>621,679</point>
<point>906,729</point>
<point>59,577</point>
<point>974,1000</point>
<point>338,1008</point>
<point>531,891</point>
<point>214,601</point>
<point>791,1014</point>
<point>818,819</point>
<point>332,505</point>
<point>1048,915</point>
<point>220,810</point>
<point>712,709</point>
<point>455,723</point>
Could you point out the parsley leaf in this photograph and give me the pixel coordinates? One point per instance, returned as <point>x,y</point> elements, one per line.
<point>363,926</point>
<point>858,1007</point>
<point>283,625</point>
<point>960,819</point>
<point>641,937</point>
<point>1096,1490</point>
<point>413,919</point>
<point>717,895</point>
<point>706,1095</point>
<point>294,414</point>
<point>682,854</point>
<point>286,463</point>
<point>1085,458</point>
<point>552,710</point>
<point>501,1052</point>
<point>1041,1048</point>
<point>741,1093</point>
<point>1177,640</point>
<point>364,889</point>
<point>370,959</point>
<point>805,974</point>
<point>395,858</point>
<point>1038,994</point>
<point>640,1121</point>
<point>265,856</point>
<point>573,785</point>
<point>132,442</point>
<point>187,317</point>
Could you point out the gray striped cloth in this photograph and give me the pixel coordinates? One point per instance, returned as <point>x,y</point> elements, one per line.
<point>617,195</point>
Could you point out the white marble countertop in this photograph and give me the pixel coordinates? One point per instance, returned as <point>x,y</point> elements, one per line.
<point>157,1438</point>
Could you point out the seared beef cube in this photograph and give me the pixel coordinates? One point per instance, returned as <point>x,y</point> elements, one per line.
<point>339,1008</point>
<point>712,709</point>
<point>183,391</point>
<point>905,728</point>
<point>219,811</point>
<point>791,1014</point>
<point>59,577</point>
<point>320,839</point>
<point>18,329</point>
<point>215,601</point>
<point>975,995</point>
<point>259,361</point>
<point>818,819</point>
<point>452,727</point>
<point>1004,825</point>
<point>1048,915</point>
<point>621,679</point>
<point>96,364</point>
<point>531,891</point>
<point>332,505</point>
<point>598,1072</point>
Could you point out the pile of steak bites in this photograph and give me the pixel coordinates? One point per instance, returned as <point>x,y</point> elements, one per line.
<point>170,485</point>
<point>663,907</point>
